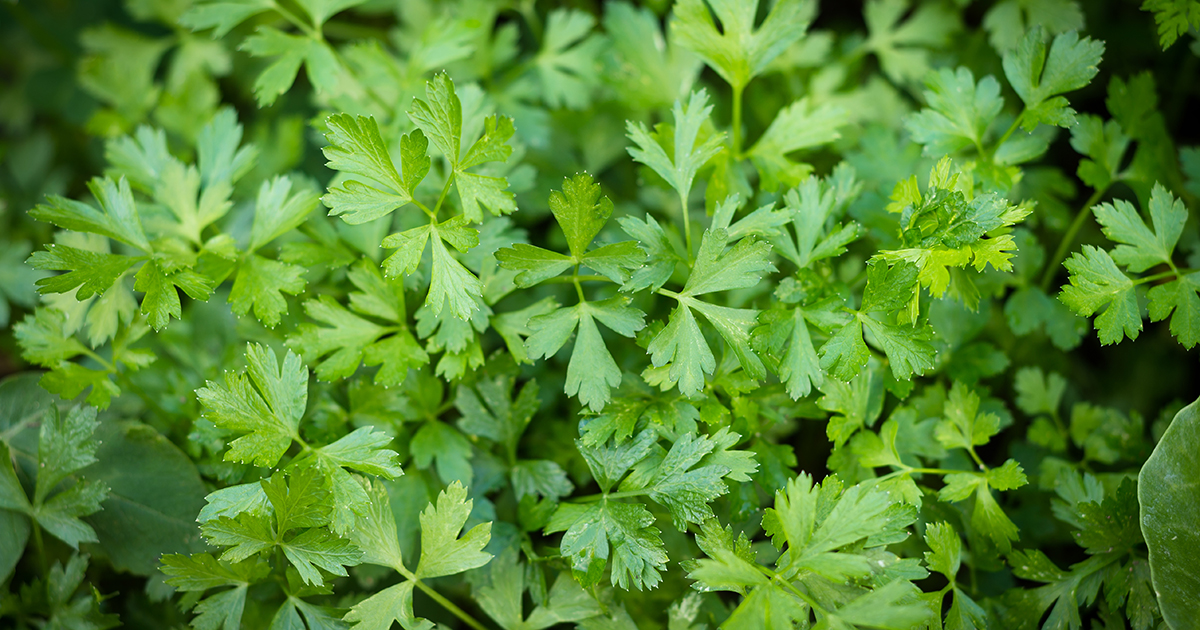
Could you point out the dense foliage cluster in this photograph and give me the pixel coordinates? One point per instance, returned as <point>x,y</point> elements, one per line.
<point>611,315</point>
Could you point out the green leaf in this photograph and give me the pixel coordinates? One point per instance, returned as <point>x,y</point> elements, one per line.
<point>299,500</point>
<point>223,610</point>
<point>796,127</point>
<point>771,607</point>
<point>1178,296</point>
<point>716,269</point>
<point>907,347</point>
<point>1104,144</point>
<point>501,597</point>
<point>1038,392</point>
<point>223,15</point>
<point>345,340</point>
<point>375,529</point>
<point>260,284</point>
<point>730,565</point>
<point>1170,505</point>
<point>1008,20</point>
<point>1039,75</point>
<point>92,272</point>
<point>44,339</point>
<point>679,168</point>
<point>681,347</point>
<point>660,253</point>
<point>442,551</point>
<point>440,117</point>
<point>218,155</point>
<point>691,475</point>
<point>534,263</point>
<point>323,69</point>
<point>737,50</point>
<point>16,280</point>
<point>492,146</point>
<point>958,111</point>
<point>649,74</point>
<point>154,495</point>
<point>161,301</point>
<point>321,10</point>
<point>1095,282</point>
<point>68,380</point>
<point>61,514</point>
<point>440,443</point>
<point>1112,524</point>
<point>580,211</point>
<point>356,147</point>
<point>65,446</point>
<point>987,518</point>
<point>963,426</point>
<point>117,217</point>
<point>364,449</point>
<point>489,409</point>
<point>201,571</point>
<point>734,326</point>
<point>816,521</point>
<point>783,337</point>
<point>1140,248</point>
<point>14,530</point>
<point>263,404</point>
<point>379,611</point>
<point>320,548</point>
<point>1174,18</point>
<point>276,213</point>
<point>453,284</point>
<point>540,478</point>
<point>902,44</point>
<point>1030,309</point>
<point>845,354</point>
<point>592,373</point>
<point>945,554</point>
<point>476,192</point>
<point>891,606</point>
<point>624,532</point>
<point>245,535</point>
<point>567,62</point>
<point>350,339</point>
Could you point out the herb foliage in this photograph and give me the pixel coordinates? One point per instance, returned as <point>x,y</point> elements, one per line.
<point>706,313</point>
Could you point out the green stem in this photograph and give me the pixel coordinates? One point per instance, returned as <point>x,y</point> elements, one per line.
<point>575,278</point>
<point>442,197</point>
<point>424,208</point>
<point>1062,428</point>
<point>1068,238</point>
<point>450,606</point>
<point>101,360</point>
<point>737,121</point>
<point>578,287</point>
<point>915,471</point>
<point>687,227</point>
<point>298,23</point>
<point>437,597</point>
<point>592,498</point>
<point>787,584</point>
<point>40,546</point>
<point>978,461</point>
<point>1011,128</point>
<point>1157,276</point>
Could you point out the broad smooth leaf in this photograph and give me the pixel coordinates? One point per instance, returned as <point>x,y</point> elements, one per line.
<point>155,494</point>
<point>1170,506</point>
